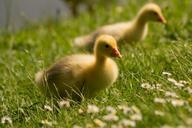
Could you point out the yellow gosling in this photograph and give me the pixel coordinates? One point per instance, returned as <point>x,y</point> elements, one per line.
<point>82,74</point>
<point>131,31</point>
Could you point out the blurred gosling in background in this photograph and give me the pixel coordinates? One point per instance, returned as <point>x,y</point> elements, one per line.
<point>131,31</point>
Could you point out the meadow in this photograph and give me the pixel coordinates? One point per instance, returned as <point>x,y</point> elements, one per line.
<point>154,88</point>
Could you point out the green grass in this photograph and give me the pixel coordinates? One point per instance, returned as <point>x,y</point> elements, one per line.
<point>166,48</point>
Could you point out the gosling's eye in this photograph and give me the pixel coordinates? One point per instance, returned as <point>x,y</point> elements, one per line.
<point>106,46</point>
<point>154,13</point>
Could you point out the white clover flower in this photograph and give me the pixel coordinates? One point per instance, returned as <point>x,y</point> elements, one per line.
<point>177,84</point>
<point>135,109</point>
<point>92,109</point>
<point>127,123</point>
<point>111,109</point>
<point>99,123</point>
<point>158,86</point>
<point>111,117</point>
<point>166,73</point>
<point>146,86</point>
<point>171,94</point>
<point>64,104</point>
<point>159,113</point>
<point>177,102</point>
<point>160,100</point>
<point>189,90</point>
<point>124,108</point>
<point>161,90</point>
<point>172,80</point>
<point>48,108</point>
<point>6,120</point>
<point>47,123</point>
<point>136,117</point>
<point>80,111</point>
<point>183,82</point>
<point>150,86</point>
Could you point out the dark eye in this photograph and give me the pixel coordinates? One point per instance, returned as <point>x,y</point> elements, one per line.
<point>154,13</point>
<point>106,46</point>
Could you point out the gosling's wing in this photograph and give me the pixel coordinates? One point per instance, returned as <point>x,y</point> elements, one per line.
<point>69,69</point>
<point>116,30</point>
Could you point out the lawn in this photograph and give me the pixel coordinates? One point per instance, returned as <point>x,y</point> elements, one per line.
<point>154,88</point>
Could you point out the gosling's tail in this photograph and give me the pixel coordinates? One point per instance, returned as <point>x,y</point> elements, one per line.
<point>40,77</point>
<point>83,41</point>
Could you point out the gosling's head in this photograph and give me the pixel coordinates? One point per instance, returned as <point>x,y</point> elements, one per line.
<point>106,46</point>
<point>151,12</point>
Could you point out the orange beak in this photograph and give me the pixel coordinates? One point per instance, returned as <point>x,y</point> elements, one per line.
<point>116,53</point>
<point>162,20</point>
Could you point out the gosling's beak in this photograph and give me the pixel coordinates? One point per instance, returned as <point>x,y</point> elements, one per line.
<point>116,53</point>
<point>162,20</point>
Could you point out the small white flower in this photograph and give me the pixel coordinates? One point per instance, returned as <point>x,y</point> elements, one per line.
<point>177,84</point>
<point>125,109</point>
<point>171,94</point>
<point>160,100</point>
<point>47,123</point>
<point>146,86</point>
<point>64,104</point>
<point>158,86</point>
<point>111,109</point>
<point>111,117</point>
<point>150,86</point>
<point>172,80</point>
<point>92,109</point>
<point>166,73</point>
<point>136,117</point>
<point>176,102</point>
<point>48,108</point>
<point>135,109</point>
<point>189,90</point>
<point>159,113</point>
<point>183,82</point>
<point>80,111</point>
<point>127,123</point>
<point>99,123</point>
<point>6,120</point>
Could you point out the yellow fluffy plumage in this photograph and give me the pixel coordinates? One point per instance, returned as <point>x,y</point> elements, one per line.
<point>82,74</point>
<point>131,31</point>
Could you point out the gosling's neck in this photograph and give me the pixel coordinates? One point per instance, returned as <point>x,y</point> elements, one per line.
<point>140,22</point>
<point>100,59</point>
